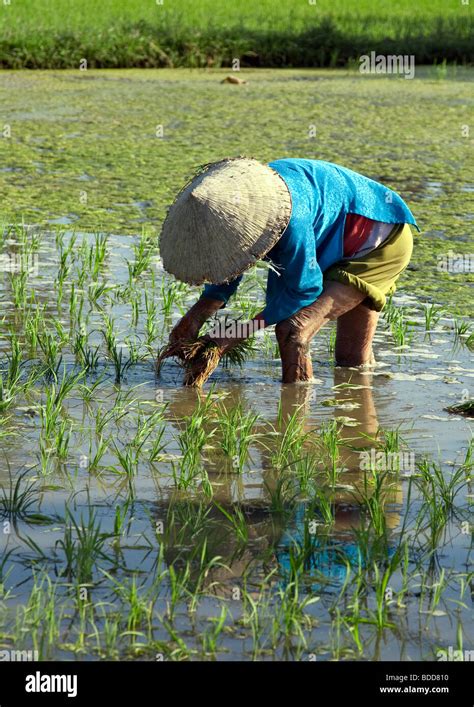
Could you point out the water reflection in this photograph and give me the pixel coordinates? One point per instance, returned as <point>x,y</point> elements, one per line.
<point>259,519</point>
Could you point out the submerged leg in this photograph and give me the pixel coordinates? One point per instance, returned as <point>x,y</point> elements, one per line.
<point>355,333</point>
<point>294,334</point>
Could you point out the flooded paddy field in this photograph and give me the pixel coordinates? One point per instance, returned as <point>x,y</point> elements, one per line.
<point>250,520</point>
<point>146,520</point>
<point>108,150</point>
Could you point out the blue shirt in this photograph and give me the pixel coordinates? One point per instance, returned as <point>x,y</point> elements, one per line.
<point>322,195</point>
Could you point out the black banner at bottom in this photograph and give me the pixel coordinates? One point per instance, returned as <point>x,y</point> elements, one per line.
<point>87,683</point>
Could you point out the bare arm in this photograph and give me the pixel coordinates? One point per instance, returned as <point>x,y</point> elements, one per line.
<point>187,329</point>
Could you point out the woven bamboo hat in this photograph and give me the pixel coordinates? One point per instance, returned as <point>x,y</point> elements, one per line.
<point>227,217</point>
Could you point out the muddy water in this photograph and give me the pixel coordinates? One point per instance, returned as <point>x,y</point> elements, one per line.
<point>409,390</point>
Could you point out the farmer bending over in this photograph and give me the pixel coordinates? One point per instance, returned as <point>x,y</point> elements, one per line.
<point>336,243</point>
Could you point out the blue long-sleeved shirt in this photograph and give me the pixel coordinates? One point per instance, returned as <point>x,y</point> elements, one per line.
<point>322,195</point>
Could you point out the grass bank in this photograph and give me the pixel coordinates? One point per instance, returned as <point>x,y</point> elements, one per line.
<point>144,33</point>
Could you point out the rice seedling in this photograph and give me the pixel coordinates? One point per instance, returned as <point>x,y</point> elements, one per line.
<point>62,439</point>
<point>236,430</point>
<point>7,395</point>
<point>95,455</point>
<point>282,495</point>
<point>210,636</point>
<point>178,580</point>
<point>137,604</point>
<point>258,614</point>
<point>151,323</point>
<point>439,492</point>
<point>29,239</point>
<point>401,328</point>
<point>135,301</point>
<point>438,488</point>
<point>96,290</point>
<point>320,509</point>
<point>65,252</point>
<point>128,458</point>
<point>143,253</point>
<point>383,599</point>
<point>114,349</point>
<point>121,513</point>
<point>462,333</point>
<point>64,261</point>
<point>290,617</point>
<point>38,618</point>
<point>238,522</point>
<point>432,314</point>
<point>145,427</point>
<point>21,500</point>
<point>4,574</point>
<point>372,498</point>
<point>389,312</point>
<point>87,357</point>
<point>468,464</point>
<point>18,286</point>
<point>97,255</point>
<point>307,469</point>
<point>331,342</point>
<point>169,294</point>
<point>82,545</point>
<point>10,379</point>
<point>205,567</point>
<point>431,592</point>
<point>329,443</point>
<point>33,322</point>
<point>81,266</point>
<point>290,438</point>
<point>393,440</point>
<point>248,308</point>
<point>175,647</point>
<point>104,419</point>
<point>191,442</point>
<point>51,348</point>
<point>56,395</point>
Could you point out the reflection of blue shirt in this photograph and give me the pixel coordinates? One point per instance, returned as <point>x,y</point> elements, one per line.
<point>330,559</point>
<point>322,195</point>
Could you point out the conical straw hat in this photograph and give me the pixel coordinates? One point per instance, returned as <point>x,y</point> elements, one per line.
<point>227,217</point>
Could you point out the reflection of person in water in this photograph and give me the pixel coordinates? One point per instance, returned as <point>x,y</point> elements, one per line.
<point>271,536</point>
<point>333,551</point>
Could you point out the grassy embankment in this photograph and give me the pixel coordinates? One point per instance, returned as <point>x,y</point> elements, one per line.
<point>139,33</point>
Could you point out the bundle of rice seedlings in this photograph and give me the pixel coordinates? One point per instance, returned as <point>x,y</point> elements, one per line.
<point>200,358</point>
<point>203,362</point>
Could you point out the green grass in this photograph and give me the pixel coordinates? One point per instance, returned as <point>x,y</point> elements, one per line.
<point>142,33</point>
